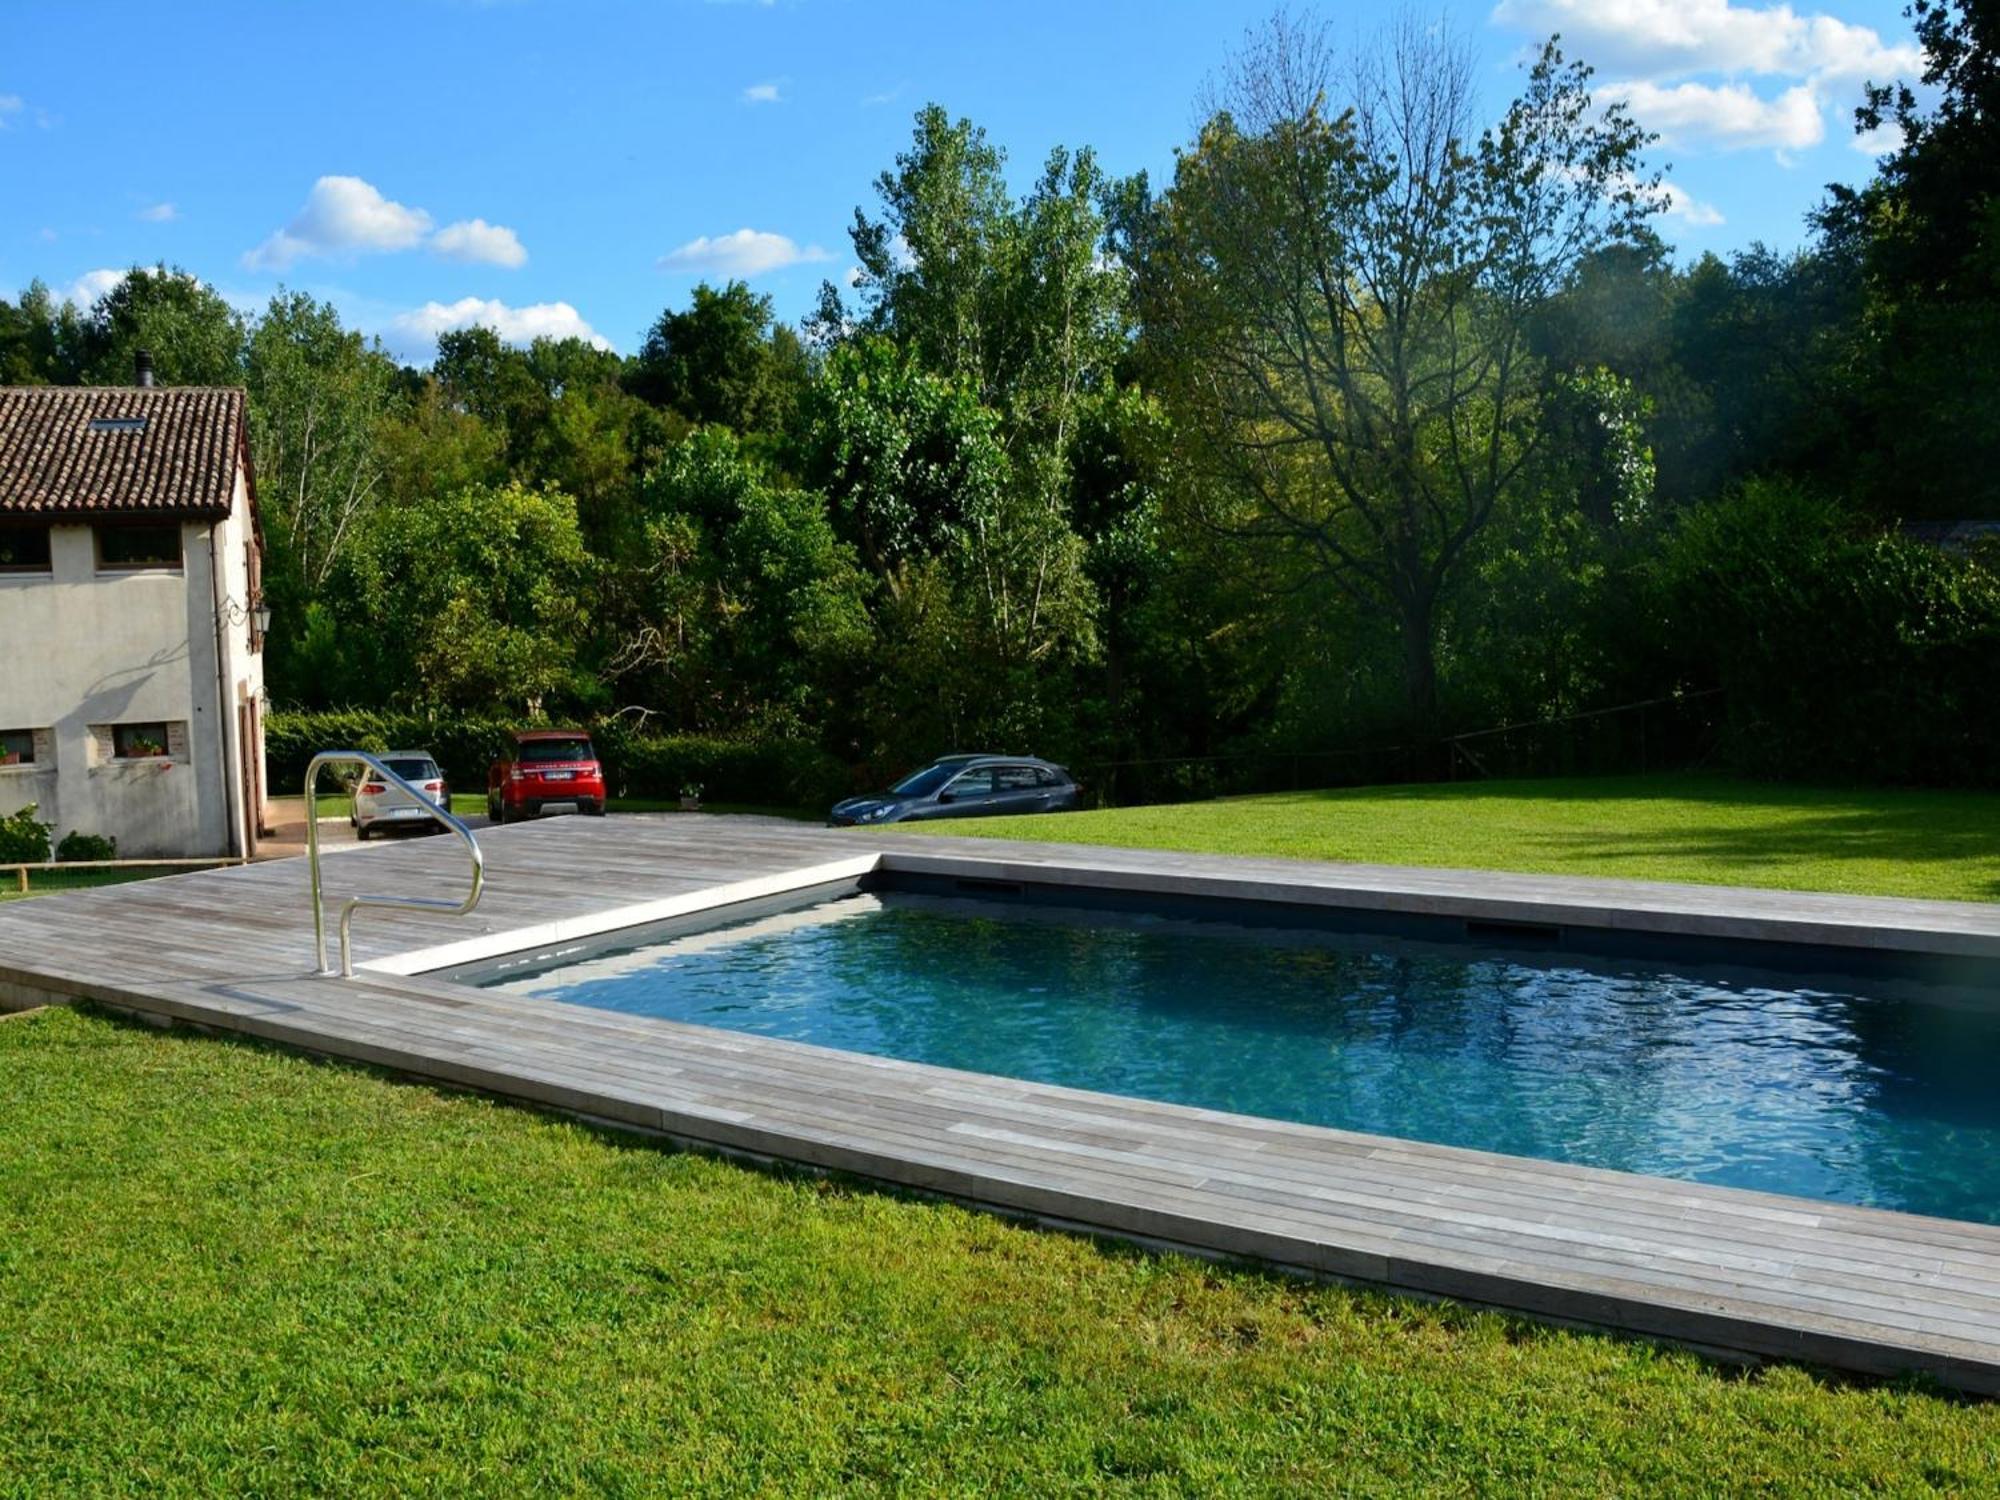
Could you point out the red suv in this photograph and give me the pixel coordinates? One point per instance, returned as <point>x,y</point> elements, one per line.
<point>545,768</point>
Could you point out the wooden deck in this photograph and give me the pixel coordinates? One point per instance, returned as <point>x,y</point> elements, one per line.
<point>1752,1273</point>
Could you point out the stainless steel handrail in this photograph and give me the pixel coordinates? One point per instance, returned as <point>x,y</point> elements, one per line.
<point>418,903</point>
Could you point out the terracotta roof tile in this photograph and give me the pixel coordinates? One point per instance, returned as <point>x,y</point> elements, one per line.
<point>76,450</point>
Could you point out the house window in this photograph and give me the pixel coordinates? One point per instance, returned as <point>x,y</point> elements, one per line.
<point>138,741</point>
<point>150,546</point>
<point>24,549</point>
<point>17,747</point>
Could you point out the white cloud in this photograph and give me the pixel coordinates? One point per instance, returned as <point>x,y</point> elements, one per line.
<point>159,213</point>
<point>747,252</point>
<point>477,240</point>
<point>763,93</point>
<point>1673,38</point>
<point>1731,116</point>
<point>517,325</point>
<point>88,287</point>
<point>887,96</point>
<point>1682,205</point>
<point>10,104</point>
<point>342,216</point>
<point>851,276</point>
<point>1658,47</point>
<point>345,216</point>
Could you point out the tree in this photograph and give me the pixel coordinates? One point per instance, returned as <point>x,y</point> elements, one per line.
<point>721,360</point>
<point>1338,304</point>
<point>905,458</point>
<point>1926,232</point>
<point>474,601</point>
<point>30,338</point>
<point>746,602</point>
<point>318,395</point>
<point>193,336</point>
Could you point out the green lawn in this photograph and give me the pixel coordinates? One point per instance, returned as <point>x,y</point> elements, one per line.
<point>48,882</point>
<point>1705,829</point>
<point>224,1269</point>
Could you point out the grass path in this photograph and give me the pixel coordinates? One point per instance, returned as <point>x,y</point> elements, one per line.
<point>1709,830</point>
<point>228,1270</point>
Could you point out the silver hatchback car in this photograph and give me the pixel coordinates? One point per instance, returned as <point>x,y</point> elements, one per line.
<point>378,804</point>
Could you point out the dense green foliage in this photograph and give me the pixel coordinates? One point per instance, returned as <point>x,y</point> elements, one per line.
<point>302,1277</point>
<point>24,837</point>
<point>1078,470</point>
<point>1701,829</point>
<point>766,771</point>
<point>82,848</point>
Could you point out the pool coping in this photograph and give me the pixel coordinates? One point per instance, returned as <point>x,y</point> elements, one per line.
<point>1757,1274</point>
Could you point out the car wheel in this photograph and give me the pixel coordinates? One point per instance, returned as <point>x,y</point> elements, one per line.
<point>593,809</point>
<point>363,832</point>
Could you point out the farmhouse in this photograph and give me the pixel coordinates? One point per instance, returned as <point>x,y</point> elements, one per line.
<point>131,616</point>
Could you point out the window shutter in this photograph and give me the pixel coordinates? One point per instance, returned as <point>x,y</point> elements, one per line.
<point>177,740</point>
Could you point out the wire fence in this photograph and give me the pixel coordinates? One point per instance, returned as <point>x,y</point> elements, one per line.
<point>1666,733</point>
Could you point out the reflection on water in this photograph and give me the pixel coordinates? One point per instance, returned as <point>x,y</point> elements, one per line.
<point>1866,1093</point>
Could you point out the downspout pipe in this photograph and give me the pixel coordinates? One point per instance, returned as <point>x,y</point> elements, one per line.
<point>225,722</point>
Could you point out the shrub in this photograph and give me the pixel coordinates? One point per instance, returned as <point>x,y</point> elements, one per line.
<point>778,772</point>
<point>24,838</point>
<point>1847,652</point>
<point>81,848</point>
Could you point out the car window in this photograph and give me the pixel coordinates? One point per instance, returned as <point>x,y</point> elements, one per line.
<point>542,752</point>
<point>413,770</point>
<point>923,783</point>
<point>1045,777</point>
<point>974,783</point>
<point>1016,778</point>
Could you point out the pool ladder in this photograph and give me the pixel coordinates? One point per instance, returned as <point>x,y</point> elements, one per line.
<point>415,903</point>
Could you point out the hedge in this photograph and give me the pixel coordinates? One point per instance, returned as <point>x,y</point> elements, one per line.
<point>775,773</point>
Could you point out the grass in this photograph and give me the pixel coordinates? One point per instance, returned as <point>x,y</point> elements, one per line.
<point>1709,830</point>
<point>228,1269</point>
<point>49,882</point>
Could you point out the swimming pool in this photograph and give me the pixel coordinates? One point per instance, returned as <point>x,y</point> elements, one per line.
<point>1871,1088</point>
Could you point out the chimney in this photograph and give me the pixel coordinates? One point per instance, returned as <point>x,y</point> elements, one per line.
<point>144,363</point>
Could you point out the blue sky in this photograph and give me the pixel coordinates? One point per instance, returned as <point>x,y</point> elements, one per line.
<point>577,166</point>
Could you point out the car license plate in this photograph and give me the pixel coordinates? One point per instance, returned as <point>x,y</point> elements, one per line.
<point>557,775</point>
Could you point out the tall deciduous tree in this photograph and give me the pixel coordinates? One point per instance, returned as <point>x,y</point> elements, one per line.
<point>318,394</point>
<point>721,360</point>
<point>193,336</point>
<point>1338,289</point>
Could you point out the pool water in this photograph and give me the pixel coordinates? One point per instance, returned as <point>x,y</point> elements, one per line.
<point>1876,1092</point>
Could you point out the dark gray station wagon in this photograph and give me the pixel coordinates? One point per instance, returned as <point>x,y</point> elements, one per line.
<point>965,786</point>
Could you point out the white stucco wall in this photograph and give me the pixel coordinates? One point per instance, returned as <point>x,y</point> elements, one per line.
<point>80,648</point>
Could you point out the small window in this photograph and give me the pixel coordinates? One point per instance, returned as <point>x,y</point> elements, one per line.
<point>1045,777</point>
<point>139,741</point>
<point>974,783</point>
<point>157,546</point>
<point>117,424</point>
<point>17,747</point>
<point>1017,778</point>
<point>555,752</point>
<point>24,549</point>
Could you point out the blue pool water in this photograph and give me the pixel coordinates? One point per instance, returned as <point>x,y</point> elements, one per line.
<point>1882,1093</point>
